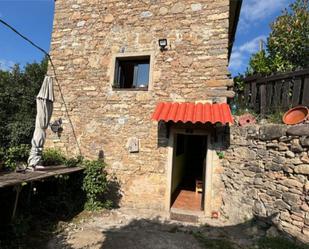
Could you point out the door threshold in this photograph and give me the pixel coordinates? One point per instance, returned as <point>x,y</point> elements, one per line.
<point>184,211</point>
<point>185,215</point>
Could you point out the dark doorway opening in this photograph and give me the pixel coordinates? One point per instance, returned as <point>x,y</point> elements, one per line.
<point>188,172</point>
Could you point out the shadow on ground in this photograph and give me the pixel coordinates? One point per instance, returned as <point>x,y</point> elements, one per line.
<point>163,234</point>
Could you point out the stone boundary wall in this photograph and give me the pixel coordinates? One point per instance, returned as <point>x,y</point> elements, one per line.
<point>266,171</point>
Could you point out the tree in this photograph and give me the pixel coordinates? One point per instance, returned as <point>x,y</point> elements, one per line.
<point>289,38</point>
<point>260,63</point>
<point>17,102</point>
<point>288,42</point>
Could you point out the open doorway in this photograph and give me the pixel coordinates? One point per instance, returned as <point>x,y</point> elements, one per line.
<point>188,172</point>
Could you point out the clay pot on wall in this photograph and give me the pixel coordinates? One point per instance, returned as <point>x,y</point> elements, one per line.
<point>296,115</point>
<point>246,119</point>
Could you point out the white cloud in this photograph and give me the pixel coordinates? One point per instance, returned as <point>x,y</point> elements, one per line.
<point>236,60</point>
<point>6,65</point>
<point>241,53</point>
<point>253,11</point>
<point>251,46</point>
<point>257,9</point>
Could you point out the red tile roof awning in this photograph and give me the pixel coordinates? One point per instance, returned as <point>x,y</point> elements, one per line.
<point>191,112</point>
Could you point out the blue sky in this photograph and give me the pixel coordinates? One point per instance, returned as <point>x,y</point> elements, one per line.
<point>34,19</point>
<point>254,25</point>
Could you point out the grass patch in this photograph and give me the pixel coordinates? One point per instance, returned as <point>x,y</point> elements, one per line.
<point>275,117</point>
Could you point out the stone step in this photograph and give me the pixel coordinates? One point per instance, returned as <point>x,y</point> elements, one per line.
<point>183,217</point>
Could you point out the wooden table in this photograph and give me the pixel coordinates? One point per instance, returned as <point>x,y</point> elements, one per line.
<point>18,178</point>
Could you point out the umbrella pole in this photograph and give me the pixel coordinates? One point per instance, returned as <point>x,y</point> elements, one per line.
<point>17,189</point>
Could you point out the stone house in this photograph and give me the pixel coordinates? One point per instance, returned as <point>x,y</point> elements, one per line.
<point>144,84</point>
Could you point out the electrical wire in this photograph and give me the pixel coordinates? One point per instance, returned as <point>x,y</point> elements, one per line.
<point>55,75</point>
<point>24,37</point>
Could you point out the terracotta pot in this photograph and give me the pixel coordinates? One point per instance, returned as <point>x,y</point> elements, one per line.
<point>296,115</point>
<point>246,119</point>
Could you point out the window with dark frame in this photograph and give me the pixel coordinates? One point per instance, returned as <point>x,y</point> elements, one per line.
<point>132,72</point>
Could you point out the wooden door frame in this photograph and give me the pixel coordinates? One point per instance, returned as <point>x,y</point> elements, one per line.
<point>208,171</point>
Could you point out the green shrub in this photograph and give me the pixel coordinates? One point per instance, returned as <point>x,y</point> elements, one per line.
<point>19,87</point>
<point>74,161</point>
<point>244,110</point>
<point>275,117</point>
<point>95,185</point>
<point>220,154</point>
<point>52,157</point>
<point>15,155</point>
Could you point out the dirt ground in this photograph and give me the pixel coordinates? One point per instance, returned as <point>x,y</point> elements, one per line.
<point>122,229</point>
<point>126,229</point>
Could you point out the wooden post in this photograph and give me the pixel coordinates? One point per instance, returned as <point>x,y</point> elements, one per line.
<point>296,92</point>
<point>277,95</point>
<point>246,92</point>
<point>269,97</point>
<point>17,188</point>
<point>253,96</point>
<point>263,99</point>
<point>286,95</point>
<point>305,99</point>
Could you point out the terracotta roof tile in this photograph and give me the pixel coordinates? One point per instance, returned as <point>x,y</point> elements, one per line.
<point>191,112</point>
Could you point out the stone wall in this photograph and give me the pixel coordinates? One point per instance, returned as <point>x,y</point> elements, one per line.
<point>266,170</point>
<point>98,120</point>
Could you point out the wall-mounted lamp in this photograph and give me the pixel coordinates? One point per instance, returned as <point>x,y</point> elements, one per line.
<point>162,44</point>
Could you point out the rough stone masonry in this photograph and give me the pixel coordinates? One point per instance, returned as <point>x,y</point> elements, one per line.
<point>88,34</point>
<point>266,173</point>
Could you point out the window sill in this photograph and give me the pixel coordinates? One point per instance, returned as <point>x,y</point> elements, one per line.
<point>144,89</point>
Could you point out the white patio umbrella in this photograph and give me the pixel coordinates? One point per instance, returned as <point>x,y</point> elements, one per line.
<point>44,102</point>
